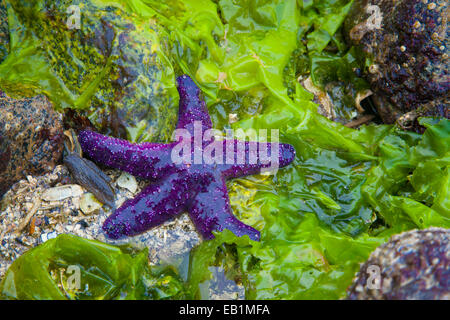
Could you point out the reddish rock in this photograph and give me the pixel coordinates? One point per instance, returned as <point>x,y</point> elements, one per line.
<point>31,138</point>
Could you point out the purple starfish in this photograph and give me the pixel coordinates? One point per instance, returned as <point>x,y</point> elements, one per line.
<point>198,188</point>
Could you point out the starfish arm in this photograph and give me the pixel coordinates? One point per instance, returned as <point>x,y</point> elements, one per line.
<point>247,158</point>
<point>146,160</point>
<point>192,107</point>
<point>153,206</point>
<point>210,211</point>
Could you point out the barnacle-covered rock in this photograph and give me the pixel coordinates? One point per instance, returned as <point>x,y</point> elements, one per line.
<point>407,45</point>
<point>4,31</point>
<point>111,65</point>
<point>412,265</point>
<point>30,138</point>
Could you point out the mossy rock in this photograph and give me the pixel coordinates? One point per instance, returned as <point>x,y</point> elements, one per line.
<point>112,68</point>
<point>4,31</point>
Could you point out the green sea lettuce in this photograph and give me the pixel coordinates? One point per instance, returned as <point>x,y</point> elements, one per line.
<point>105,272</point>
<point>346,192</point>
<point>410,185</point>
<point>316,232</point>
<point>305,261</point>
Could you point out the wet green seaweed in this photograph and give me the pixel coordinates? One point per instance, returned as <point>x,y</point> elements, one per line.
<point>70,267</point>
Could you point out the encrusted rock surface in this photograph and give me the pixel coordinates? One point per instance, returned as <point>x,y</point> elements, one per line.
<point>4,31</point>
<point>30,138</point>
<point>412,265</point>
<point>408,45</point>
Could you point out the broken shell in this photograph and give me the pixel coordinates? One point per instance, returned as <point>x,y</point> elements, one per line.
<point>89,204</point>
<point>128,182</point>
<point>322,96</point>
<point>360,96</point>
<point>232,118</point>
<point>62,192</point>
<point>48,236</point>
<point>71,142</point>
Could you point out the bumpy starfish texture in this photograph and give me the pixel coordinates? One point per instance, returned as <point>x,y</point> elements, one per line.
<point>176,186</point>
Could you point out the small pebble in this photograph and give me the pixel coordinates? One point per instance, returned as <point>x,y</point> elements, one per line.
<point>83,224</point>
<point>127,181</point>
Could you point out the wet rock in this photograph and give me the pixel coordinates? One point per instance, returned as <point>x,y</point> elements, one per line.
<point>30,138</point>
<point>4,31</point>
<point>412,265</point>
<point>113,63</point>
<point>407,46</point>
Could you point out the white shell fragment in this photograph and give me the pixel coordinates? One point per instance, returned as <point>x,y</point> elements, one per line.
<point>232,117</point>
<point>62,192</point>
<point>360,96</point>
<point>48,236</point>
<point>89,204</point>
<point>128,182</point>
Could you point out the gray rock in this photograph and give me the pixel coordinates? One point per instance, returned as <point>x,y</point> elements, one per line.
<point>412,265</point>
